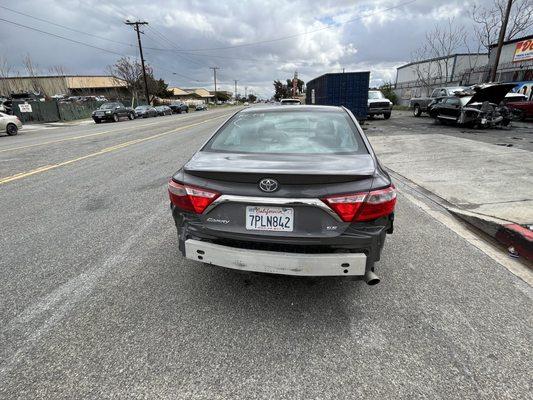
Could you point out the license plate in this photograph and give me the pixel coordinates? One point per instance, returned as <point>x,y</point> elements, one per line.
<point>277,219</point>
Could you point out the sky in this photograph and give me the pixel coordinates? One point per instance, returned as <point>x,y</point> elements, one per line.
<point>186,37</point>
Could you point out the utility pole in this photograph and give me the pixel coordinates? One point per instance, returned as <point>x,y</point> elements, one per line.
<point>235,89</point>
<point>246,92</point>
<point>215,78</point>
<point>500,41</point>
<point>136,27</point>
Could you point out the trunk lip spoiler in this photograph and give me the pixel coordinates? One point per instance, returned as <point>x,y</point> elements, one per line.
<point>274,201</point>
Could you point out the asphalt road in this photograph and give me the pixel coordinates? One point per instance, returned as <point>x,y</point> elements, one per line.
<point>96,301</point>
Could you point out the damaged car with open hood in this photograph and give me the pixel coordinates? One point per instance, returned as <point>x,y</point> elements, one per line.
<point>478,106</point>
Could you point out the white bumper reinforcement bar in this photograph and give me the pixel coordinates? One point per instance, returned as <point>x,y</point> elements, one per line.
<point>330,264</point>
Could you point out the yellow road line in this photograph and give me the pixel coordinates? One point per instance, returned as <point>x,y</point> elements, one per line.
<point>100,152</point>
<point>74,138</point>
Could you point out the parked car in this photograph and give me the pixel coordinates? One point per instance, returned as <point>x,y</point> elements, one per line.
<point>163,110</point>
<point>201,107</point>
<point>145,112</point>
<point>423,104</point>
<point>480,106</point>
<point>178,107</point>
<point>285,190</point>
<point>288,102</point>
<point>112,111</point>
<point>520,107</point>
<point>10,124</point>
<point>378,104</point>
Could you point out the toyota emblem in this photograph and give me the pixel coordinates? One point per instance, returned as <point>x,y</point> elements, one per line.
<point>268,185</point>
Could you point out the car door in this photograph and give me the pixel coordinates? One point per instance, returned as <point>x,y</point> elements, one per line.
<point>122,111</point>
<point>451,107</point>
<point>441,108</point>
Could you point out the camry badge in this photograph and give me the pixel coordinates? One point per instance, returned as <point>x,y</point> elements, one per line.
<point>268,185</point>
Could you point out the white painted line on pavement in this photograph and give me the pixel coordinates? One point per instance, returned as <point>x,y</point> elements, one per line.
<point>493,252</point>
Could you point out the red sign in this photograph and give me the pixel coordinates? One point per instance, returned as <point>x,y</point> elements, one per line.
<point>523,51</point>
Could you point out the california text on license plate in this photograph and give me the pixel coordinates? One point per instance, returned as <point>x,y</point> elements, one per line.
<point>260,218</point>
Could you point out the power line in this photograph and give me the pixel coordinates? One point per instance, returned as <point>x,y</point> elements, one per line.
<point>87,45</point>
<point>175,49</point>
<point>330,26</point>
<point>65,27</point>
<point>173,45</point>
<point>61,37</point>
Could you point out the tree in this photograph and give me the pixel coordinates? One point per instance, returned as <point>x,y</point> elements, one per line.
<point>388,91</point>
<point>433,62</point>
<point>156,87</point>
<point>32,72</point>
<point>488,20</point>
<point>280,90</point>
<point>284,91</point>
<point>129,71</point>
<point>252,98</point>
<point>5,71</point>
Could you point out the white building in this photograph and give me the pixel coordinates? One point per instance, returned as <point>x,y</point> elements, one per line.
<point>420,78</point>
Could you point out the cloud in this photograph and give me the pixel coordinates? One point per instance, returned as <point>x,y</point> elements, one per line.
<point>364,37</point>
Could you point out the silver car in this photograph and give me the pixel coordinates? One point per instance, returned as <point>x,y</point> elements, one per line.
<point>285,190</point>
<point>10,124</point>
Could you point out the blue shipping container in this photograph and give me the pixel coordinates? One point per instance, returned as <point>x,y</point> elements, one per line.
<point>348,89</point>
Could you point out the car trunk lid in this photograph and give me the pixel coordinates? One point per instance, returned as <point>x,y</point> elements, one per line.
<point>285,168</point>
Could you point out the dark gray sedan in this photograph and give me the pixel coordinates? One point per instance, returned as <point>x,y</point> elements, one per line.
<point>145,112</point>
<point>285,190</point>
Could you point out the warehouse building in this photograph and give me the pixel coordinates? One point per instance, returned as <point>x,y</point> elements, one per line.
<point>515,65</point>
<point>70,85</point>
<point>419,78</point>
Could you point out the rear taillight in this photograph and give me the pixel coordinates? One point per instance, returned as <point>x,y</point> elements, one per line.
<point>190,198</point>
<point>363,206</point>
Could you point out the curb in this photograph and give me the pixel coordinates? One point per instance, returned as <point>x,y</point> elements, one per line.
<point>507,233</point>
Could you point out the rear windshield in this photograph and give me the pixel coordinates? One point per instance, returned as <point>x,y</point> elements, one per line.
<point>288,132</point>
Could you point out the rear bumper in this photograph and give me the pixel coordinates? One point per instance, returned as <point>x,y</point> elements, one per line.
<point>363,239</point>
<point>297,264</point>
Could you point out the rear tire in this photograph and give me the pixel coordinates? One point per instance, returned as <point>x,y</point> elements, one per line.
<point>115,117</point>
<point>386,115</point>
<point>131,116</point>
<point>417,112</point>
<point>12,129</point>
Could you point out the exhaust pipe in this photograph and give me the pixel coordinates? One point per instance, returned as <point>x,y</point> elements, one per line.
<point>371,278</point>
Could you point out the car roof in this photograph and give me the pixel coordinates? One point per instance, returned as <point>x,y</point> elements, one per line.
<point>303,107</point>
